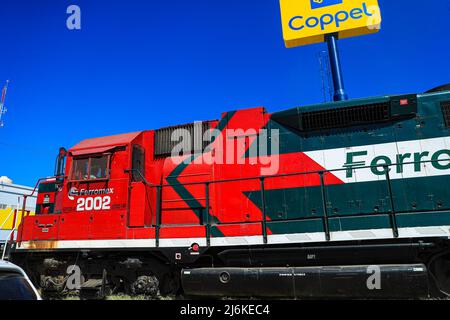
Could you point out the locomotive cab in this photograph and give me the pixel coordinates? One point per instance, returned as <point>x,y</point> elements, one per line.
<point>104,174</point>
<point>98,183</point>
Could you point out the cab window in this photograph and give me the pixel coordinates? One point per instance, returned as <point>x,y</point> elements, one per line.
<point>99,167</point>
<point>80,169</point>
<point>92,168</point>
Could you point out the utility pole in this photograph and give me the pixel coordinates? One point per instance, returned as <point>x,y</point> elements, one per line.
<point>336,70</point>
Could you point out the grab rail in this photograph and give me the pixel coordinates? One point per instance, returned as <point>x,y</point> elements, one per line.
<point>7,218</point>
<point>325,219</point>
<point>392,213</point>
<point>10,237</point>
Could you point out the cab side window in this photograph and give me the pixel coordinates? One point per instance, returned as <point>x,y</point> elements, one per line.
<point>99,167</point>
<point>92,168</point>
<point>80,169</point>
<point>138,160</point>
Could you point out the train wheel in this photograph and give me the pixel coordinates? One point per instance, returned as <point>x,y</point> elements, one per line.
<point>145,285</point>
<point>439,267</point>
<point>170,284</point>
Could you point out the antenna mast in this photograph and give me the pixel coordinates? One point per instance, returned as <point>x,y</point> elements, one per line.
<point>325,75</point>
<point>2,102</point>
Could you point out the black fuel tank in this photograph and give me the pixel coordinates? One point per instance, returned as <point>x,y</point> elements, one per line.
<point>349,282</point>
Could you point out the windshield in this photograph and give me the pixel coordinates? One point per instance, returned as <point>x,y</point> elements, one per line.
<point>14,286</point>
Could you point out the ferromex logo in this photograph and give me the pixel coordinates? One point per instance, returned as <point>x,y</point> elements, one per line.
<point>380,165</point>
<point>306,22</point>
<point>403,160</point>
<point>74,192</point>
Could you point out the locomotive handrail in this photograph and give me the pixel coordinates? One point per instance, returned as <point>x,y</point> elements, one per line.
<point>37,185</point>
<point>7,218</point>
<point>140,175</point>
<point>264,215</point>
<point>158,201</point>
<point>298,173</point>
<point>207,220</point>
<point>325,218</point>
<point>321,173</point>
<point>10,237</point>
<point>9,234</point>
<point>392,217</point>
<point>25,196</point>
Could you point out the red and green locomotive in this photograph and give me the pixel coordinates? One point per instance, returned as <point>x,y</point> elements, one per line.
<point>351,195</point>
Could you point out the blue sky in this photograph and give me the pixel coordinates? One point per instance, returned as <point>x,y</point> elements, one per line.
<point>139,65</point>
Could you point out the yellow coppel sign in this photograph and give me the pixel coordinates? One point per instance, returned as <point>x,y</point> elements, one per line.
<point>308,21</point>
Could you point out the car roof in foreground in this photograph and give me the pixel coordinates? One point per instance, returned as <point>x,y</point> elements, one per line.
<point>6,266</point>
<point>10,267</point>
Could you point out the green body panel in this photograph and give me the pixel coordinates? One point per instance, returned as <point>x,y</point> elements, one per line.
<point>286,227</point>
<point>358,223</point>
<point>423,219</point>
<point>47,187</point>
<point>427,124</point>
<point>355,198</point>
<point>417,202</point>
<point>404,220</point>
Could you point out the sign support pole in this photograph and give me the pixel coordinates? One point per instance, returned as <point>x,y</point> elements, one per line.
<point>336,71</point>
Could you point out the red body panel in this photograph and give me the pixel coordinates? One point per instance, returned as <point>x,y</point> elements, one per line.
<point>127,209</point>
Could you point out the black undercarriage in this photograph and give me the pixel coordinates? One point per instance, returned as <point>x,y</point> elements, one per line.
<point>160,272</point>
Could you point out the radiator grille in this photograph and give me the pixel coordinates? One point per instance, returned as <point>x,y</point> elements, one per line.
<point>191,135</point>
<point>345,117</point>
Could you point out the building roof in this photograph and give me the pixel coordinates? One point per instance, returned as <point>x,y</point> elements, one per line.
<point>4,186</point>
<point>11,194</point>
<point>5,179</point>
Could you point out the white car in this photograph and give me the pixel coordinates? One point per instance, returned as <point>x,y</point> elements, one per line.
<point>15,284</point>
